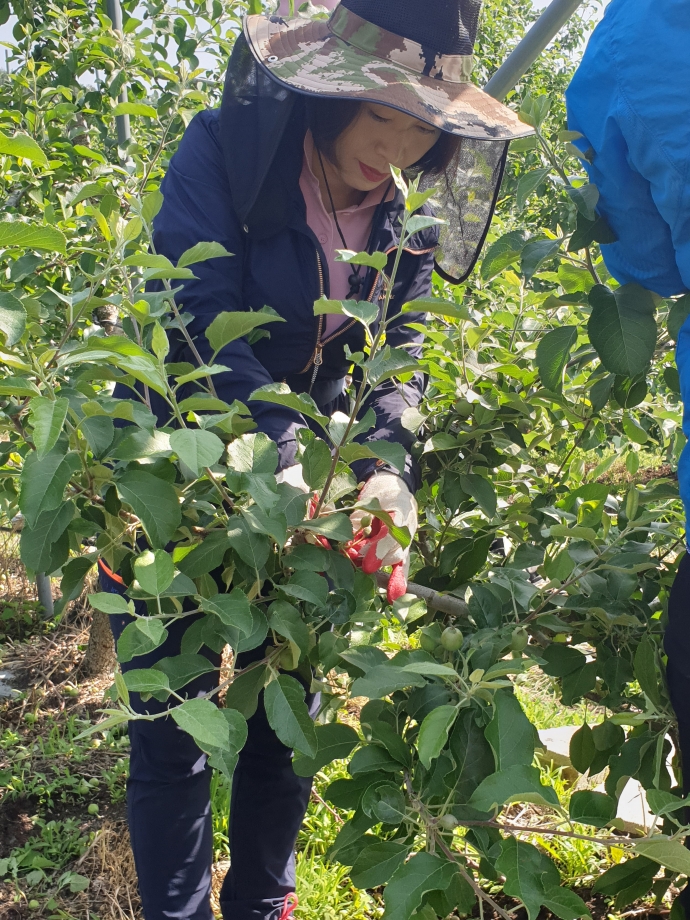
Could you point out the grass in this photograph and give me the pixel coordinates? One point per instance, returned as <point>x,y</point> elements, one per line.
<point>538,695</point>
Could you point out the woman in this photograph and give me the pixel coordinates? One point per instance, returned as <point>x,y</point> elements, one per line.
<point>294,166</point>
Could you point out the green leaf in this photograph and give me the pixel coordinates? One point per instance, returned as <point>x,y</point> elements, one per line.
<point>287,621</point>
<point>593,808</point>
<point>647,672</point>
<point>154,571</point>
<point>253,453</point>
<point>109,603</point>
<point>502,253</point>
<point>135,108</point>
<point>431,669</point>
<point>200,252</point>
<point>43,482</point>
<point>582,748</point>
<point>481,490</point>
<point>622,328</point>
<point>21,145</point>
<point>376,864</point>
<point>31,236</point>
<point>664,803</point>
<point>204,722</point>
<point>99,432</point>
<point>627,881</point>
<point>232,609</point>
<point>527,183</point>
<point>227,327</point>
<point>590,231</point>
<point>436,306</point>
<point>36,543</point>
<point>335,742</point>
<point>377,260</point>
<point>384,679</point>
<point>18,386</point>
<point>528,873</point>
<point>205,556</point>
<point>433,733</point>
<point>363,311</point>
<point>252,548</point>
<point>515,784</point>
<point>145,680</point>
<point>412,880</point>
<point>390,452</point>
<point>565,904</point>
<point>48,417</point>
<point>307,586</point>
<point>316,463</point>
<point>225,761</point>
<point>139,638</point>
<point>282,395</point>
<point>679,312</point>
<point>671,854</point>
<point>73,574</point>
<point>535,253</point>
<point>154,502</point>
<point>243,692</point>
<point>140,443</point>
<point>181,670</point>
<point>288,715</point>
<point>274,524</point>
<point>12,318</point>
<point>421,222</point>
<point>332,526</point>
<point>391,362</point>
<point>585,199</point>
<point>553,352</point>
<point>510,733</point>
<point>196,448</point>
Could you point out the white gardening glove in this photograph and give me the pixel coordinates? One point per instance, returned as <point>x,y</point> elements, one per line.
<point>378,548</point>
<point>292,475</point>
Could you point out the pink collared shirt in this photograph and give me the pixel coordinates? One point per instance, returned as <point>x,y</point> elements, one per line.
<point>355,222</point>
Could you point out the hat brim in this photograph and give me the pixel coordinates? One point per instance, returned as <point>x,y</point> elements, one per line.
<point>307,57</point>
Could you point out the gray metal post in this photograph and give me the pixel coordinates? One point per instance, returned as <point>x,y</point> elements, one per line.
<point>122,121</point>
<point>528,50</point>
<point>45,594</point>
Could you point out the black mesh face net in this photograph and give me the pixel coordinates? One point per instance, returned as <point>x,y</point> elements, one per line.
<point>466,197</point>
<point>446,26</point>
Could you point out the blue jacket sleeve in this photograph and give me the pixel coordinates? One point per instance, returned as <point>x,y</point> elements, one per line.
<point>198,207</point>
<point>389,400</point>
<point>627,113</point>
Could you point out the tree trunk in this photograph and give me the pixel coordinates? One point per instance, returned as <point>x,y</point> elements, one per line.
<point>100,652</point>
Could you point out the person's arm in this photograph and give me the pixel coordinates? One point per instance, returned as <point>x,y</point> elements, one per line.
<point>198,207</point>
<point>389,400</point>
<point>641,194</point>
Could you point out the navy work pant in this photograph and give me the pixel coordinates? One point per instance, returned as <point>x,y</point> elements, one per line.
<point>169,811</point>
<point>677,647</point>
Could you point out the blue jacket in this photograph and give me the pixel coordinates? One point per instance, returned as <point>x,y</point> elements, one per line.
<point>235,179</point>
<point>630,99</point>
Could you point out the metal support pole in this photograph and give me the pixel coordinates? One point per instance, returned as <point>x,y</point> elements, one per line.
<point>45,594</point>
<point>528,50</point>
<point>124,136</point>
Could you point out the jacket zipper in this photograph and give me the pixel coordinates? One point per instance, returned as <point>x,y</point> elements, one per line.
<point>316,359</point>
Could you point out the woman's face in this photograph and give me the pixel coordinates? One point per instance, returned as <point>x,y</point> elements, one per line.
<point>378,138</point>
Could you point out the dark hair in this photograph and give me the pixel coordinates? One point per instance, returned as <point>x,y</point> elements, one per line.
<point>328,118</point>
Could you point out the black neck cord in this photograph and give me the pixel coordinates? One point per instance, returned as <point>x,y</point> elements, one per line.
<point>354,279</point>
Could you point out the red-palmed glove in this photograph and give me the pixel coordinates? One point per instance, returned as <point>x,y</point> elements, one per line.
<point>376,548</point>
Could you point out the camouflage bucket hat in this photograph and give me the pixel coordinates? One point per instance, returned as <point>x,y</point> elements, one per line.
<point>355,54</point>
